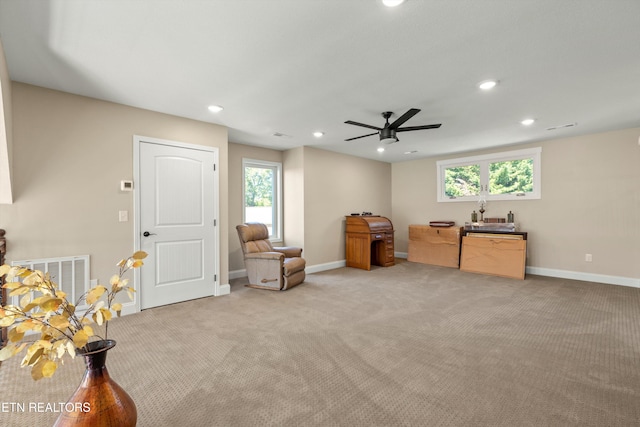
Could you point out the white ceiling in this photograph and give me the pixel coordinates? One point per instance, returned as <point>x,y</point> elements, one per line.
<point>297,66</point>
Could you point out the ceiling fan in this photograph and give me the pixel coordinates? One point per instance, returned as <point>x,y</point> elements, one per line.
<point>388,132</point>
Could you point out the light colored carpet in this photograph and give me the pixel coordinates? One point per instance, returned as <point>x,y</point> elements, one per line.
<point>409,345</point>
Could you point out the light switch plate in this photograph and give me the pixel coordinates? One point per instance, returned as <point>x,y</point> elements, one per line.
<point>123,216</point>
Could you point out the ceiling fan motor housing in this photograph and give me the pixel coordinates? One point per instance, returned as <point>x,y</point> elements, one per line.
<point>388,132</point>
<point>388,136</point>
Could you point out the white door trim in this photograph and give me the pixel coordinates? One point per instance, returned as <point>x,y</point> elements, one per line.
<point>137,140</point>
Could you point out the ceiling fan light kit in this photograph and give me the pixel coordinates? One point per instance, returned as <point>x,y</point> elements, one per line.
<point>388,132</point>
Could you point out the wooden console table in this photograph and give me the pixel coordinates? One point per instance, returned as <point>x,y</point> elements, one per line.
<point>435,245</point>
<point>495,253</point>
<point>369,242</point>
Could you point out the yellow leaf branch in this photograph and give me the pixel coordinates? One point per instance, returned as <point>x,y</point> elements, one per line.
<point>62,330</point>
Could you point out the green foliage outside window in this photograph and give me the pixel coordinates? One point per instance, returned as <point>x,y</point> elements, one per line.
<point>514,176</point>
<point>462,181</point>
<point>510,175</point>
<point>258,187</point>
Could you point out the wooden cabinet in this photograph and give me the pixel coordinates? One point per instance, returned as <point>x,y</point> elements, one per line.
<point>435,245</point>
<point>369,241</point>
<point>495,254</point>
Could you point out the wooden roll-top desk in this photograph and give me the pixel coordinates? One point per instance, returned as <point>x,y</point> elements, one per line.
<point>369,242</point>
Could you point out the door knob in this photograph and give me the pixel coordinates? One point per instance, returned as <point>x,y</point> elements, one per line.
<point>147,234</point>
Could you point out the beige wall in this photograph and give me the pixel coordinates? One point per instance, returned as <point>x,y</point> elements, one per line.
<point>236,153</point>
<point>336,185</point>
<point>294,196</point>
<point>70,154</point>
<point>590,204</point>
<point>320,187</point>
<point>5,131</point>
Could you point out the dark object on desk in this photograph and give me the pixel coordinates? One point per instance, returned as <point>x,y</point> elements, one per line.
<point>355,214</point>
<point>442,223</point>
<point>485,227</point>
<point>369,242</point>
<point>495,220</point>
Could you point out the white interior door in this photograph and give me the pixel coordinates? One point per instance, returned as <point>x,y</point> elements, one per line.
<point>177,223</point>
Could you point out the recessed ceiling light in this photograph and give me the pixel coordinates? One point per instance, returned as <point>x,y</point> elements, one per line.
<point>392,3</point>
<point>215,108</point>
<point>527,122</point>
<point>487,84</point>
<point>318,134</point>
<point>380,150</point>
<point>411,152</point>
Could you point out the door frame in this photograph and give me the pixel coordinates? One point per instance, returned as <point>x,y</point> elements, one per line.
<point>137,208</point>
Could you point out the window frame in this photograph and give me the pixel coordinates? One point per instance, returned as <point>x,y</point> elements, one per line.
<point>484,161</point>
<point>276,227</point>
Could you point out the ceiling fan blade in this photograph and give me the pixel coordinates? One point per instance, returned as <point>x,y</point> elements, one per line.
<point>403,118</point>
<point>350,122</point>
<point>419,127</point>
<point>358,137</point>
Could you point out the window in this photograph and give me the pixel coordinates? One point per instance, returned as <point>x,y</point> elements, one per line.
<point>511,175</point>
<point>261,195</point>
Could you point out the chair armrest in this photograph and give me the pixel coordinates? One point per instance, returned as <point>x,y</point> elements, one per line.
<point>289,251</point>
<point>265,255</point>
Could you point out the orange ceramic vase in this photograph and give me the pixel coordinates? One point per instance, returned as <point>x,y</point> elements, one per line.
<point>98,401</point>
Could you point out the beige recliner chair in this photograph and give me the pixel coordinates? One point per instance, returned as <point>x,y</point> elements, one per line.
<point>268,267</point>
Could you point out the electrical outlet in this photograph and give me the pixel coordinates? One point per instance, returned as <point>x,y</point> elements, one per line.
<point>588,257</point>
<point>93,282</point>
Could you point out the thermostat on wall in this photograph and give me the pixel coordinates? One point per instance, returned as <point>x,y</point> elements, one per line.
<point>126,185</point>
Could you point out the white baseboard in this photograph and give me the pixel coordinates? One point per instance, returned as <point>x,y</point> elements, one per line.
<point>327,266</point>
<point>236,274</point>
<point>224,289</point>
<point>540,271</point>
<point>573,275</point>
<point>586,277</point>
